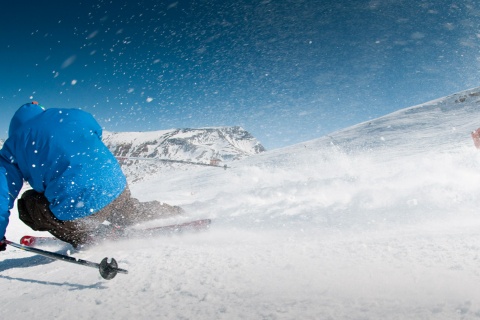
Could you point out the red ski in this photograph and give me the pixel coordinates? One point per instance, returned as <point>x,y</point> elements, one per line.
<point>196,225</point>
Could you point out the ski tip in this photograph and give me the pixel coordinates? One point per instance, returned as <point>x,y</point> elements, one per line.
<point>27,241</point>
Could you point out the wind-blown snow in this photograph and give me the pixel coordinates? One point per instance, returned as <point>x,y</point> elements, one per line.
<point>379,221</point>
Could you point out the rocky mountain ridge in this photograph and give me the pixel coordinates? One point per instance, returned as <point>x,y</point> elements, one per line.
<point>145,153</point>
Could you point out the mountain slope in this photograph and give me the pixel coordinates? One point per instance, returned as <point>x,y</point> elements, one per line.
<point>436,124</point>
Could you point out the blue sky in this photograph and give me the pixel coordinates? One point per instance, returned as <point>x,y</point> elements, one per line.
<point>287,71</point>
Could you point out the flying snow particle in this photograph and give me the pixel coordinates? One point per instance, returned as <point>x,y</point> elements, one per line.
<point>172,5</point>
<point>149,99</point>
<point>74,82</point>
<point>418,35</point>
<point>92,35</point>
<point>449,26</point>
<point>69,62</point>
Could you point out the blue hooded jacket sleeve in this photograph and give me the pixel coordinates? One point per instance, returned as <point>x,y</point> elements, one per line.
<point>4,200</point>
<point>10,185</point>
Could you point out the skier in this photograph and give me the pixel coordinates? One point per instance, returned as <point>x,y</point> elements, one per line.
<point>79,193</point>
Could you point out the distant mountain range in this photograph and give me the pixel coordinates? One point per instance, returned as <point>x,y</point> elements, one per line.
<point>144,153</point>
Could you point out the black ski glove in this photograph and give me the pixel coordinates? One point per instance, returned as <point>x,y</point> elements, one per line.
<point>3,244</point>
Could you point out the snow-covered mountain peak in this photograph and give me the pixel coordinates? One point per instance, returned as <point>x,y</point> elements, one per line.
<point>140,152</point>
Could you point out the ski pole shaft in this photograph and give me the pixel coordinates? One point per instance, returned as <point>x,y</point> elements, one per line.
<point>108,270</point>
<point>174,161</point>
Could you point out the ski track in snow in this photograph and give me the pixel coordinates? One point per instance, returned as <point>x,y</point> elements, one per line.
<point>376,222</point>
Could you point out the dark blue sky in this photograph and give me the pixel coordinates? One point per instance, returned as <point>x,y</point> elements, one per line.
<point>287,71</point>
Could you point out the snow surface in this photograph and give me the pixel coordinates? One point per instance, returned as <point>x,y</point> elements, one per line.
<point>379,221</point>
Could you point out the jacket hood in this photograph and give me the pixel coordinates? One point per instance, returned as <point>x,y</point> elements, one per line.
<point>25,113</point>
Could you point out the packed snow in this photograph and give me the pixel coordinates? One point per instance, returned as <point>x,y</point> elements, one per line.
<point>378,221</point>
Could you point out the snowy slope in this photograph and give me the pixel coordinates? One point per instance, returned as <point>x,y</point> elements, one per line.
<point>377,221</point>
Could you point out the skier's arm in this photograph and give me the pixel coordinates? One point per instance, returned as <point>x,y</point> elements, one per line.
<point>11,182</point>
<point>4,202</point>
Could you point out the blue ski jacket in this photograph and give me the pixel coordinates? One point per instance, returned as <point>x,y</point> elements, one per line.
<point>59,152</point>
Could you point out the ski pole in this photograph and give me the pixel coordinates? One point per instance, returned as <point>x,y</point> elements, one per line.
<point>108,270</point>
<point>174,161</point>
